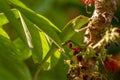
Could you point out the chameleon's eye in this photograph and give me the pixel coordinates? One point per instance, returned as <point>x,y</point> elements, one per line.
<point>88,2</point>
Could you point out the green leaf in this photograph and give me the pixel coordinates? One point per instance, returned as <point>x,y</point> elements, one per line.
<point>5,74</point>
<point>78,37</point>
<point>18,47</point>
<point>33,39</point>
<point>55,58</point>
<point>7,44</point>
<point>42,23</point>
<point>11,62</point>
<point>10,30</point>
<point>26,31</point>
<point>46,63</point>
<point>3,18</point>
<point>52,60</point>
<point>4,6</point>
<point>45,44</point>
<point>69,30</point>
<point>67,34</point>
<point>2,32</point>
<point>24,52</point>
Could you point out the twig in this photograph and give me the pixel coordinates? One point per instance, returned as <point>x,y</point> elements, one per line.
<point>37,73</point>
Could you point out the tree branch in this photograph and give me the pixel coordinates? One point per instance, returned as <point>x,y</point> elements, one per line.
<point>101,18</point>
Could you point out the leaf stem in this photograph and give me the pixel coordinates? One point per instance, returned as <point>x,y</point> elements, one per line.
<point>37,73</point>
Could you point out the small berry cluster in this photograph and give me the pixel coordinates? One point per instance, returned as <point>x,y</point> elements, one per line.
<point>80,69</point>
<point>81,66</point>
<point>75,49</point>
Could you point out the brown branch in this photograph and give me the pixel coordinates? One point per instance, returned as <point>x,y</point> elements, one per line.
<point>101,18</point>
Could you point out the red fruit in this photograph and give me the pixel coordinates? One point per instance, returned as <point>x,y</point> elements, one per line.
<point>75,50</point>
<point>69,45</point>
<point>118,30</point>
<point>88,2</point>
<point>111,65</point>
<point>79,58</point>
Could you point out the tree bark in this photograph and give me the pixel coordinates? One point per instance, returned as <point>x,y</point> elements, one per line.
<point>101,18</point>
